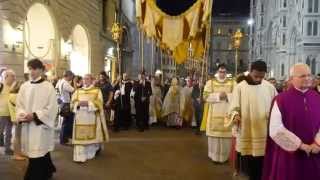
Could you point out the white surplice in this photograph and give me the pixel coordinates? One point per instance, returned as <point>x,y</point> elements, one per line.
<point>39,98</point>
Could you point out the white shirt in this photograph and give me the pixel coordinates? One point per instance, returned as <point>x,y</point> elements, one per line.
<point>65,90</point>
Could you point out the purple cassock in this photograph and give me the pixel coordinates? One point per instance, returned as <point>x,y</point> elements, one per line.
<point>300,115</point>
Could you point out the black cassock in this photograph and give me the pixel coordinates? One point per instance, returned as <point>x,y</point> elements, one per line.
<point>40,168</point>
<point>143,91</point>
<point>123,107</point>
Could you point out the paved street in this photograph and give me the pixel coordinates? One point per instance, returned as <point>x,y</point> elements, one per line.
<point>158,154</point>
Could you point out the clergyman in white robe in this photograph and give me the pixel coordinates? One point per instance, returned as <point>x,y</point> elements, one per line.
<point>37,136</point>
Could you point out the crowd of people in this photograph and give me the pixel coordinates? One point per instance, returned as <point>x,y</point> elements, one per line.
<point>267,130</point>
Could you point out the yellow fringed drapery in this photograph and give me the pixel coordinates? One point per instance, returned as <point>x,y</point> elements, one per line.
<point>174,33</point>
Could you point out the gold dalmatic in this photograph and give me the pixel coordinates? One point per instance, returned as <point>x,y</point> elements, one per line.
<point>216,112</point>
<point>90,125</point>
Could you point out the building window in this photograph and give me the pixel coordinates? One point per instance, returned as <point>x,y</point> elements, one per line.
<point>218,45</point>
<point>309,28</point>
<point>315,28</point>
<point>104,15</point>
<point>308,61</point>
<point>284,3</point>
<point>310,2</point>
<point>282,69</point>
<point>241,62</point>
<point>230,31</point>
<point>316,6</point>
<point>219,31</point>
<point>284,21</point>
<point>313,66</point>
<point>283,39</point>
<point>261,21</point>
<point>262,8</point>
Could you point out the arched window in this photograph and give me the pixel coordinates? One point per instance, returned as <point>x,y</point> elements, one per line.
<point>218,45</point>
<point>309,28</point>
<point>310,3</point>
<point>283,39</point>
<point>284,3</point>
<point>241,62</point>
<point>282,69</point>
<point>313,66</point>
<point>284,21</point>
<point>316,6</point>
<point>308,61</point>
<point>315,28</point>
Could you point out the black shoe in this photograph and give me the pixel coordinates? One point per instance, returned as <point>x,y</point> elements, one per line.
<point>8,152</point>
<point>50,175</point>
<point>140,130</point>
<point>98,152</point>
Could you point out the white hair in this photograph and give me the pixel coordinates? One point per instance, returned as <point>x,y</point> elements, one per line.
<point>6,72</point>
<point>292,69</point>
<point>89,75</point>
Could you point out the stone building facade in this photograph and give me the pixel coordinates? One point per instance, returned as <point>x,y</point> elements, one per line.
<point>65,15</point>
<point>286,32</point>
<point>222,51</point>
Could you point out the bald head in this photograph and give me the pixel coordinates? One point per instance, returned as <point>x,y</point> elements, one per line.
<point>87,80</point>
<point>299,68</point>
<point>300,76</point>
<point>9,76</point>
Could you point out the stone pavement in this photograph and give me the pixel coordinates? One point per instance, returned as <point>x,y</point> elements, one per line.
<point>157,154</point>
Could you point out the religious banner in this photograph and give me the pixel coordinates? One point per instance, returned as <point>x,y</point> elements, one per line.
<point>176,30</point>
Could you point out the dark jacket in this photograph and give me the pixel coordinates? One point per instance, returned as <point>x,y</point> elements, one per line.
<point>142,91</point>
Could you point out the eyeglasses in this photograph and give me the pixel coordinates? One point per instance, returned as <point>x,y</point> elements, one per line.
<point>303,76</point>
<point>222,71</point>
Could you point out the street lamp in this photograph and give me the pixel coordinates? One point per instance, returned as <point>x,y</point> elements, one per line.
<point>117,31</point>
<point>236,43</point>
<point>250,22</point>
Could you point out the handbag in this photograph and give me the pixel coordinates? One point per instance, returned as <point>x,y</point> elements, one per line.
<point>65,110</point>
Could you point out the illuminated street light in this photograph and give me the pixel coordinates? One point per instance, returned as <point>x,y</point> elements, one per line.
<point>236,44</point>
<point>250,22</point>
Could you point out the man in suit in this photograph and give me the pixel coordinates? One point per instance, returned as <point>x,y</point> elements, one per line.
<point>142,93</point>
<point>122,100</point>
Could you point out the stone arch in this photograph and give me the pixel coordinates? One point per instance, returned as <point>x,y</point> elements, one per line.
<point>41,36</point>
<point>80,55</point>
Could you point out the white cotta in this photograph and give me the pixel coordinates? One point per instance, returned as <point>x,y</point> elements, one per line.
<point>39,98</point>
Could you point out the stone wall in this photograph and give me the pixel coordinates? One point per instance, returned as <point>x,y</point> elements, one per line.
<point>66,15</point>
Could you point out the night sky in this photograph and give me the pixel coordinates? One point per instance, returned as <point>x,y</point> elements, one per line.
<point>236,7</point>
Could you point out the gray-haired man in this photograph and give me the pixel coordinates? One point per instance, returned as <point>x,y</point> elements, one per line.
<point>9,78</point>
